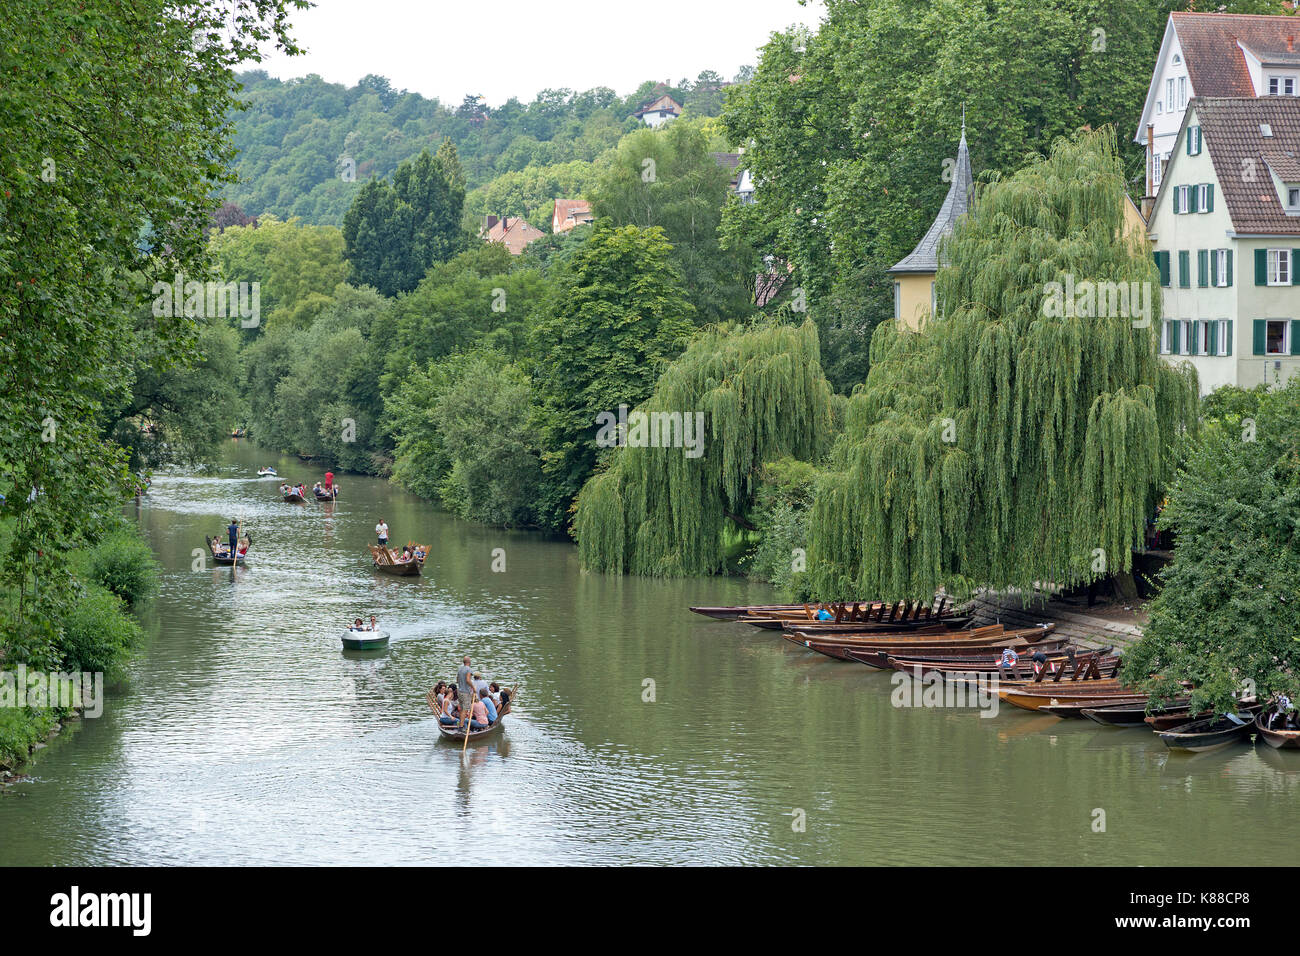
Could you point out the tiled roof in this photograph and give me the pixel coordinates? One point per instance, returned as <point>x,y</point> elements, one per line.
<point>665,103</point>
<point>925,257</point>
<point>1215,63</point>
<point>564,208</point>
<point>1242,156</point>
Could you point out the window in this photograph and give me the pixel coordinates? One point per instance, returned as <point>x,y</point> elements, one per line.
<point>1160,107</point>
<point>1186,336</point>
<point>934,302</point>
<point>1281,86</point>
<point>1293,198</point>
<point>1204,201</point>
<point>1193,141</point>
<point>1157,169</point>
<point>1166,337</point>
<point>1223,338</point>
<point>1279,267</point>
<point>1182,198</point>
<point>898,300</point>
<point>1221,268</point>
<point>1204,338</point>
<point>1169,94</point>
<point>1182,92</point>
<point>1272,336</point>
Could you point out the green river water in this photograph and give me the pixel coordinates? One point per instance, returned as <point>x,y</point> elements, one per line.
<point>244,735</point>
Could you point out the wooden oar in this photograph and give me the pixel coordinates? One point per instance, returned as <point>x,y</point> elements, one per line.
<point>468,718</point>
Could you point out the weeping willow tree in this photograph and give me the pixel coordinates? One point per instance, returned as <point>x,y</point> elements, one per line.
<point>1022,437</point>
<point>661,511</point>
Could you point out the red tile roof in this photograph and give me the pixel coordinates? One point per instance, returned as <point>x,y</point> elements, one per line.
<point>1215,63</point>
<point>1242,157</point>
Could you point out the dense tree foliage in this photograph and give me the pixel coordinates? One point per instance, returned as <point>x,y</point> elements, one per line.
<point>394,231</point>
<point>758,395</point>
<point>1229,608</point>
<point>115,124</point>
<point>616,316</point>
<point>1008,444</point>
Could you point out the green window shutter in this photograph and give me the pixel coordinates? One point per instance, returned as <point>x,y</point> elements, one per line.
<point>1214,338</point>
<point>1209,198</point>
<point>1162,264</point>
<point>1192,199</point>
<point>1295,336</point>
<point>1261,270</point>
<point>1261,336</point>
<point>1295,257</point>
<point>1178,194</point>
<point>1189,141</point>
<point>1229,271</point>
<point>1184,269</point>
<point>1229,334</point>
<point>1204,268</point>
<point>1174,327</point>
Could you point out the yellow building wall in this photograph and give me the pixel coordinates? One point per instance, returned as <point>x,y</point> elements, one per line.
<point>914,296</point>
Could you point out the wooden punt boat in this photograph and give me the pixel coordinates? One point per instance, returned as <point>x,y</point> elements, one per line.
<point>1035,695</point>
<point>1174,718</point>
<point>882,645</point>
<point>946,623</point>
<point>385,563</point>
<point>325,495</point>
<point>458,735</point>
<point>1279,738</point>
<point>860,616</point>
<point>293,497</point>
<point>1131,714</point>
<point>364,640</point>
<point>1208,733</point>
<point>1083,669</point>
<point>989,661</point>
<point>1075,708</point>
<point>221,553</point>
<point>983,655</point>
<point>725,613</point>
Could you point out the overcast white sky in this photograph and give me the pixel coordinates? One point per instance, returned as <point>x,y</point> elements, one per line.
<point>504,48</point>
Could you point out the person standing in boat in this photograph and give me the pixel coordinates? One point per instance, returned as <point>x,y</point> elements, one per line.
<point>381,532</point>
<point>465,687</point>
<point>233,532</point>
<point>329,484</point>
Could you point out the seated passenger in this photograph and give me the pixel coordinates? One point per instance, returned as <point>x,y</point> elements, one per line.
<point>823,614</point>
<point>478,716</point>
<point>491,709</point>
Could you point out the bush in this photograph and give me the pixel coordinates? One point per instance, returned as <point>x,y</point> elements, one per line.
<point>123,564</point>
<point>98,633</point>
<point>21,728</point>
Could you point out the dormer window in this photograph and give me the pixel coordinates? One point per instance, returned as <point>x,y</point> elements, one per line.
<point>1293,200</point>
<point>1281,86</point>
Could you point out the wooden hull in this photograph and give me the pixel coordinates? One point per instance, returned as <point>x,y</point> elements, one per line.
<point>410,569</point>
<point>1034,697</point>
<point>364,640</point>
<point>228,562</point>
<point>1178,716</point>
<point>1075,708</point>
<point>731,613</point>
<point>1277,739</point>
<point>455,733</point>
<point>989,665</point>
<point>1210,733</point>
<point>294,498</point>
<point>1124,715</point>
<point>881,646</point>
<point>935,625</point>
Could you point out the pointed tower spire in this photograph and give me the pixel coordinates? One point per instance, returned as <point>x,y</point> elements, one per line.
<point>925,257</point>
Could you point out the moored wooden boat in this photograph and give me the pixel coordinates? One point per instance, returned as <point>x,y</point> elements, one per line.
<point>1037,695</point>
<point>731,613</point>
<point>838,646</point>
<point>990,662</point>
<point>1076,708</point>
<point>1173,718</point>
<point>1208,733</point>
<point>1132,714</point>
<point>1279,738</point>
<point>363,640</point>
<point>385,562</point>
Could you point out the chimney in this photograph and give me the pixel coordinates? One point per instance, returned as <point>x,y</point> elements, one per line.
<point>489,222</point>
<point>1148,200</point>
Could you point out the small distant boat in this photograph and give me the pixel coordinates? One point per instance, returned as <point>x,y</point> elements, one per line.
<point>267,473</point>
<point>237,433</point>
<point>1279,738</point>
<point>1209,733</point>
<point>363,640</point>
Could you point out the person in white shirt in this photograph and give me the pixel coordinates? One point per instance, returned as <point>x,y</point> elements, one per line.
<point>381,531</point>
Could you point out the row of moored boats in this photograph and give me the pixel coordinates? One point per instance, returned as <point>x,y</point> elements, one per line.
<point>1032,669</point>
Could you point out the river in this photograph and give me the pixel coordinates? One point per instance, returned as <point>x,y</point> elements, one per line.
<point>245,735</point>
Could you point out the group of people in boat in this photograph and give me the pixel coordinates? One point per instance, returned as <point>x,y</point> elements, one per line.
<point>471,697</point>
<point>409,553</point>
<point>236,541</point>
<point>298,489</point>
<point>359,625</point>
<point>1282,715</point>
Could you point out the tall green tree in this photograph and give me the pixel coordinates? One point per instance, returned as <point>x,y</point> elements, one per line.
<point>1014,441</point>
<point>758,395</point>
<point>394,231</point>
<point>617,315</point>
<point>1228,611</point>
<point>665,177</point>
<point>115,124</point>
